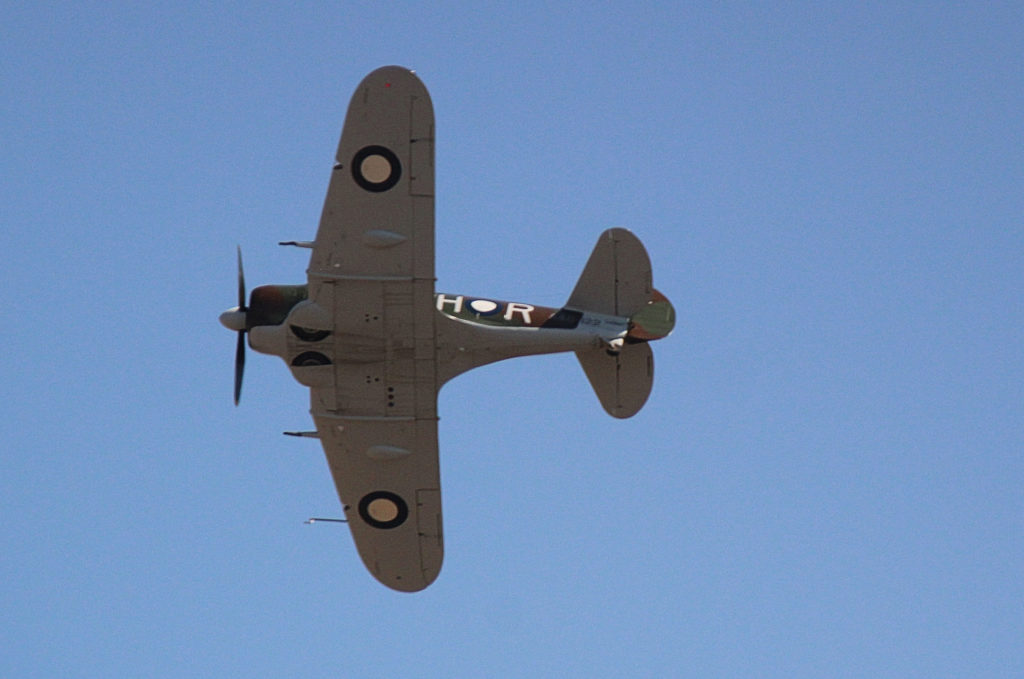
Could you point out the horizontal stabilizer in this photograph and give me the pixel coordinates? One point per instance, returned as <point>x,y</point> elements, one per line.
<point>617,278</point>
<point>622,381</point>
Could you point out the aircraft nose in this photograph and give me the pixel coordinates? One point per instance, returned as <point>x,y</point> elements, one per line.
<point>233,319</point>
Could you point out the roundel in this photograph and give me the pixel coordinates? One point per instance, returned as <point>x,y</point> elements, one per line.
<point>382,509</point>
<point>484,307</point>
<point>376,168</point>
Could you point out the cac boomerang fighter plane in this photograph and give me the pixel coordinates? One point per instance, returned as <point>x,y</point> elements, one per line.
<point>374,343</point>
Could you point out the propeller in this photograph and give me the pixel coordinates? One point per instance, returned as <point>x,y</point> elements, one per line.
<point>240,345</point>
<point>235,319</point>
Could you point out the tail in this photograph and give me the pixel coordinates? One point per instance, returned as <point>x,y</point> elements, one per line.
<point>617,278</point>
<point>617,282</point>
<point>621,381</point>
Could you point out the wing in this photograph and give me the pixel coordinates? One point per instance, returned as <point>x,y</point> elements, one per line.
<point>371,285</point>
<point>378,218</point>
<point>386,474</point>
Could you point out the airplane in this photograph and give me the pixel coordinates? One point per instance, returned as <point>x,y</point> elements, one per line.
<point>375,343</point>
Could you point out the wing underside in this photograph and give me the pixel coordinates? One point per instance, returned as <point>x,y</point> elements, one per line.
<point>371,285</point>
<point>386,474</point>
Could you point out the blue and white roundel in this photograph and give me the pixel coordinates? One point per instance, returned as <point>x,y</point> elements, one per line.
<point>484,307</point>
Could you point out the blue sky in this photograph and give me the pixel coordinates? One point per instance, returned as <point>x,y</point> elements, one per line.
<point>826,480</point>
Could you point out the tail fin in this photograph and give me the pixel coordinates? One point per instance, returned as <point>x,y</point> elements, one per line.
<point>622,381</point>
<point>617,278</point>
<point>617,282</point>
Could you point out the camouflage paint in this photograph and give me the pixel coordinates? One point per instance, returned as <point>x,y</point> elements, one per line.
<point>270,305</point>
<point>493,312</point>
<point>654,321</point>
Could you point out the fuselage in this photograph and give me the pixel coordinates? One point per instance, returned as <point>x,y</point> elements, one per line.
<point>270,305</point>
<point>469,332</point>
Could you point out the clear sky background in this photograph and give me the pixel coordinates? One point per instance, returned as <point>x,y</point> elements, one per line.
<point>826,481</point>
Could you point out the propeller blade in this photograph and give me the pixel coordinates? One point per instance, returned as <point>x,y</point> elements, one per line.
<point>240,346</point>
<point>239,365</point>
<point>241,281</point>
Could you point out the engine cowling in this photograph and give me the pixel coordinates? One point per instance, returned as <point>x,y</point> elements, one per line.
<point>271,304</point>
